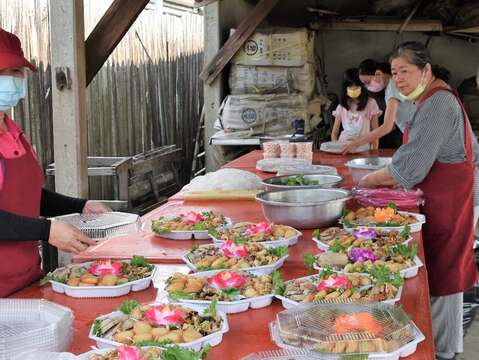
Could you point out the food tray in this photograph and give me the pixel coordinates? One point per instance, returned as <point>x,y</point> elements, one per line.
<point>288,303</point>
<point>290,241</point>
<point>211,339</point>
<point>274,164</point>
<point>104,225</point>
<point>102,291</point>
<point>230,307</point>
<point>421,219</point>
<point>336,147</point>
<point>407,273</point>
<point>192,234</point>
<point>324,246</point>
<point>30,325</point>
<point>404,351</point>
<point>258,270</point>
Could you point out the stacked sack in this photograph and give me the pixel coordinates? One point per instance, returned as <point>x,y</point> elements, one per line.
<point>271,81</point>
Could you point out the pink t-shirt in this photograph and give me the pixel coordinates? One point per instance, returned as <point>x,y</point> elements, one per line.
<point>356,123</point>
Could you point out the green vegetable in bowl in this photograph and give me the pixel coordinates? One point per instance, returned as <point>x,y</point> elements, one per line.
<point>299,180</point>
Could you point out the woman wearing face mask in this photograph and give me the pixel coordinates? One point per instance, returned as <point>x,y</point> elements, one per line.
<point>357,112</point>
<point>377,79</point>
<point>22,198</point>
<point>439,156</point>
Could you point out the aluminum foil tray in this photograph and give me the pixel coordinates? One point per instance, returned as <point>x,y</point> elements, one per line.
<point>104,225</point>
<point>32,325</point>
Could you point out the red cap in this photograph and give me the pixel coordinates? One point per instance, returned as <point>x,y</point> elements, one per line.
<point>11,53</point>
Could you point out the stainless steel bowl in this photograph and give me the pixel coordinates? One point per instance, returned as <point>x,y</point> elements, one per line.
<point>358,168</point>
<point>304,208</point>
<point>324,181</point>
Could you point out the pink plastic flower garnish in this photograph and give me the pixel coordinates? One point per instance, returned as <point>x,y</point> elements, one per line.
<point>164,315</point>
<point>232,250</point>
<point>361,255</point>
<point>105,267</point>
<point>260,228</point>
<point>191,218</point>
<point>365,233</point>
<point>227,280</point>
<point>334,282</point>
<point>129,353</point>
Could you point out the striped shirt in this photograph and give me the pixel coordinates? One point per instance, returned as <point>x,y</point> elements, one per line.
<point>436,133</point>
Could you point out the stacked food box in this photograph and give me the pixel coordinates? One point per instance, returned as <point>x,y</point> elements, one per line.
<point>272,80</point>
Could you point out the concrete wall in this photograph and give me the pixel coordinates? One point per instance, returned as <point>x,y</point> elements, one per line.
<point>345,49</point>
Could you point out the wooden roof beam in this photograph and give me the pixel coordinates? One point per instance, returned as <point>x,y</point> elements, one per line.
<point>109,31</point>
<point>244,30</point>
<point>378,25</point>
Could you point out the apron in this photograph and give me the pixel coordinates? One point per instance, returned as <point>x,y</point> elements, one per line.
<point>21,195</point>
<point>448,232</point>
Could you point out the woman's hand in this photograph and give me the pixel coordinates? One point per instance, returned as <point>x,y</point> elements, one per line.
<point>349,147</point>
<point>68,238</point>
<point>95,207</point>
<point>368,181</point>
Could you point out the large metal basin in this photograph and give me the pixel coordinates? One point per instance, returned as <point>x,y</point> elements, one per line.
<point>358,168</point>
<point>304,208</point>
<point>324,181</point>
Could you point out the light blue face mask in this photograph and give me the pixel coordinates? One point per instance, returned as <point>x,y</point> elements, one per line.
<point>12,89</point>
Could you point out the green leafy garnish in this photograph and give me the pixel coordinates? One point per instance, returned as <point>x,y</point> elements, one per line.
<point>213,232</point>
<point>278,251</point>
<point>336,247</point>
<point>240,240</point>
<point>392,206</point>
<point>404,250</point>
<point>355,357</point>
<point>176,353</point>
<point>231,292</point>
<point>140,261</point>
<point>199,226</point>
<point>127,306</point>
<point>382,275</point>
<point>194,247</point>
<point>326,272</point>
<point>406,231</point>
<point>316,233</point>
<point>388,224</point>
<point>51,277</point>
<point>97,328</point>
<point>178,294</point>
<point>309,261</point>
<point>153,343</point>
<point>278,283</point>
<point>211,310</point>
<point>159,229</point>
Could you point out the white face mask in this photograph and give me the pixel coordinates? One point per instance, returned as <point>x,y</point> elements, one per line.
<point>413,95</point>
<point>12,89</point>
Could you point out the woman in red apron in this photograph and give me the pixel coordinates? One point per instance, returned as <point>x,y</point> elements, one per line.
<point>22,198</point>
<point>438,157</point>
